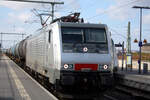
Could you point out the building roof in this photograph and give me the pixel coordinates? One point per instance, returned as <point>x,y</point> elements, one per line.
<point>147,44</point>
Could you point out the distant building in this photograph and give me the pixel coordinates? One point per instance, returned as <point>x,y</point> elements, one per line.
<point>146,48</point>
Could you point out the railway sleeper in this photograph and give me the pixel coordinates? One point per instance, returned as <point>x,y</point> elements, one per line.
<point>133,91</point>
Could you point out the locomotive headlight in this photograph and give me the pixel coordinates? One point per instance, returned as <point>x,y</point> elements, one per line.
<point>68,66</point>
<point>105,67</point>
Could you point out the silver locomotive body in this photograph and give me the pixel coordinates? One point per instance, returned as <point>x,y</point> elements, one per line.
<point>70,54</point>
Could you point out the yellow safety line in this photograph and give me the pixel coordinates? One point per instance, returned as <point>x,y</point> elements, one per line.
<point>19,85</point>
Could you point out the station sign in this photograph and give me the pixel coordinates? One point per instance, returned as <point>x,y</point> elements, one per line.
<point>129,59</point>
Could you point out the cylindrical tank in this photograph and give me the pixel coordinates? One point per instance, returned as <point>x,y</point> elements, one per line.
<point>16,50</point>
<point>22,48</point>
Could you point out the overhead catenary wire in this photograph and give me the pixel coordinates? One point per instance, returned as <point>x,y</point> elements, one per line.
<point>114,9</point>
<point>42,2</point>
<point>117,33</point>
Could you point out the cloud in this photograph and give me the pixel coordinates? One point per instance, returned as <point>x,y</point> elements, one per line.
<point>122,9</point>
<point>21,5</point>
<point>14,5</point>
<point>20,29</point>
<point>133,2</point>
<point>21,17</point>
<point>68,6</point>
<point>99,10</point>
<point>72,4</point>
<point>120,14</point>
<point>135,33</point>
<point>24,16</point>
<point>146,19</point>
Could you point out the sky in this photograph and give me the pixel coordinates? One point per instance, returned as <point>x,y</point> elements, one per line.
<point>18,17</point>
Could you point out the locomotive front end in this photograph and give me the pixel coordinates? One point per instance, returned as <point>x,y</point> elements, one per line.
<point>86,58</point>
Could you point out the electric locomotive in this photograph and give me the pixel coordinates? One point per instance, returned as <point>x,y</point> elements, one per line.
<point>72,54</point>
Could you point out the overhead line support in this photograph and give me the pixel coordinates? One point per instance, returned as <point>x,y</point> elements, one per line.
<point>44,2</point>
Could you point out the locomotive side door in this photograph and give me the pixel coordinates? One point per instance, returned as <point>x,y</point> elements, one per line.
<point>50,56</point>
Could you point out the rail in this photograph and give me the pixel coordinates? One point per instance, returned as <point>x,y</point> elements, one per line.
<point>133,87</point>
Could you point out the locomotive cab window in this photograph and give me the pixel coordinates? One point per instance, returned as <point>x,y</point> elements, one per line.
<point>72,35</point>
<point>95,35</point>
<point>74,39</point>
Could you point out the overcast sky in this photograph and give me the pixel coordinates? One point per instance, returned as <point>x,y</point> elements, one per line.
<point>18,17</point>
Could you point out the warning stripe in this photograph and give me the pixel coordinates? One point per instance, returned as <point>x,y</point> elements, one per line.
<point>23,93</point>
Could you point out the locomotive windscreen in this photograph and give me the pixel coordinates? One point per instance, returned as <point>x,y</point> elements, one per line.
<point>75,39</point>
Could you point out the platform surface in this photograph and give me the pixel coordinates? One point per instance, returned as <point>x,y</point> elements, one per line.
<point>134,75</point>
<point>15,84</point>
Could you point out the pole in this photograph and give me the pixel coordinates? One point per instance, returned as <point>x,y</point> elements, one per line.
<point>140,42</point>
<point>122,55</point>
<point>129,48</point>
<point>52,12</point>
<point>128,40</point>
<point>1,40</point>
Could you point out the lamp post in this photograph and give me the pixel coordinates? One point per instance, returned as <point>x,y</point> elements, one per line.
<point>140,42</point>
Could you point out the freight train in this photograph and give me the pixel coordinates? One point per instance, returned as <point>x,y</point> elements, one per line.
<point>70,54</point>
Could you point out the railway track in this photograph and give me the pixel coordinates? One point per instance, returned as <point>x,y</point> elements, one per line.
<point>115,95</point>
<point>121,92</point>
<point>69,97</point>
<point>60,96</point>
<point>109,97</point>
<point>106,96</point>
<point>135,93</point>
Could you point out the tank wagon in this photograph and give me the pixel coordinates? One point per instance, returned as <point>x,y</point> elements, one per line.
<point>22,49</point>
<point>71,54</point>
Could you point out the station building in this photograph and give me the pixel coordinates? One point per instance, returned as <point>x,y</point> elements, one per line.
<point>146,48</point>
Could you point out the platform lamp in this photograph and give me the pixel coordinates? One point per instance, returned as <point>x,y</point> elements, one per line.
<point>144,41</point>
<point>136,41</point>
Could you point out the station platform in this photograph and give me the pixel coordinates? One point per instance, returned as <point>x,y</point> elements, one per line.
<point>134,79</point>
<point>15,84</point>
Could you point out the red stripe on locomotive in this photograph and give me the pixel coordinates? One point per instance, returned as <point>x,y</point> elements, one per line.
<point>93,67</point>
